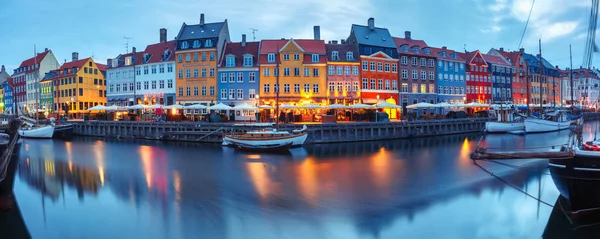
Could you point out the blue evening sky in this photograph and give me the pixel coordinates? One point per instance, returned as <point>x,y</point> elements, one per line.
<point>98,28</point>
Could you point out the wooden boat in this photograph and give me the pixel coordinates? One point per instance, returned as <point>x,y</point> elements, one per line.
<point>533,125</point>
<point>507,122</point>
<point>263,147</point>
<point>44,132</point>
<point>267,137</point>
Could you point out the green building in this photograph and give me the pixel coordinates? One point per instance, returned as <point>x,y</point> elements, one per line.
<point>47,92</point>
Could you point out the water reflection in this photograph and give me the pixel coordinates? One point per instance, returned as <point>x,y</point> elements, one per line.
<point>351,190</point>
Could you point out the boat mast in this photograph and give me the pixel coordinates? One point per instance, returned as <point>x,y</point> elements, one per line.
<point>36,84</point>
<point>527,80</point>
<point>277,89</point>
<point>571,75</point>
<point>541,77</point>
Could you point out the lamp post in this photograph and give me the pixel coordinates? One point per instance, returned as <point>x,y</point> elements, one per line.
<point>257,112</point>
<point>376,108</point>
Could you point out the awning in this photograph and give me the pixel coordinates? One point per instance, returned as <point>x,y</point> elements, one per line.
<point>369,101</point>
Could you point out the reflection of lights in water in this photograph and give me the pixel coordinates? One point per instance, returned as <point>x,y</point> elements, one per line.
<point>380,167</point>
<point>49,167</point>
<point>69,151</point>
<point>27,161</point>
<point>258,177</point>
<point>253,156</point>
<point>309,186</point>
<point>146,156</point>
<point>101,172</point>
<point>99,152</point>
<point>70,166</point>
<point>26,147</point>
<point>177,188</point>
<point>465,150</point>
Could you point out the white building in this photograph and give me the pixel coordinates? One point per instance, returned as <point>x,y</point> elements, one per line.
<point>586,87</point>
<point>120,78</point>
<point>31,71</point>
<point>155,76</point>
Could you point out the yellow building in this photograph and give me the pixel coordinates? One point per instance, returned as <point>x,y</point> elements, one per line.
<point>197,53</point>
<point>302,71</point>
<point>1,100</point>
<point>79,85</point>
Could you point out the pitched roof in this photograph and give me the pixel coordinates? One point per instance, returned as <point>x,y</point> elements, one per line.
<point>373,37</point>
<point>496,60</point>
<point>77,64</point>
<point>436,52</point>
<point>535,61</point>
<point>101,67</point>
<point>136,59</point>
<point>236,49</point>
<point>207,30</point>
<point>342,49</point>
<point>32,61</point>
<point>271,46</point>
<point>309,46</point>
<point>511,56</point>
<point>156,52</point>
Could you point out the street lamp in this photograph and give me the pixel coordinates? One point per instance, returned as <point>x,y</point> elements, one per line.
<point>376,108</point>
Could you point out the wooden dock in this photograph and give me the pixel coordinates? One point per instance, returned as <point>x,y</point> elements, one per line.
<point>482,153</point>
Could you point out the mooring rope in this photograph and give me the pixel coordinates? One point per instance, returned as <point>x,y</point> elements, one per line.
<point>6,156</point>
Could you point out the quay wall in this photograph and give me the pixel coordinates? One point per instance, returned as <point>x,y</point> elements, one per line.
<point>318,133</point>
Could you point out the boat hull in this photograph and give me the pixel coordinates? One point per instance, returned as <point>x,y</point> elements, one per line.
<point>263,148</point>
<point>45,132</point>
<point>542,126</point>
<point>294,140</point>
<point>503,127</point>
<point>578,180</point>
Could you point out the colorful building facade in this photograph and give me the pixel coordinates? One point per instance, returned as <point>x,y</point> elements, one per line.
<point>379,64</point>
<point>47,92</point>
<point>155,74</point>
<point>7,97</point>
<point>239,75</point>
<point>301,71</point>
<point>417,70</point>
<point>544,81</point>
<point>343,73</point>
<point>479,82</point>
<point>121,76</point>
<point>501,71</point>
<point>197,52</point>
<point>450,76</point>
<point>519,76</point>
<point>27,76</point>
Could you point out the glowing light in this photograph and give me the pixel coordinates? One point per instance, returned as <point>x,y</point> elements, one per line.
<point>308,183</point>
<point>145,155</point>
<point>258,174</point>
<point>101,172</point>
<point>254,156</point>
<point>70,166</point>
<point>380,164</point>
<point>177,185</point>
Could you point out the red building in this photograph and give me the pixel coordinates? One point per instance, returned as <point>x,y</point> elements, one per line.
<point>379,80</point>
<point>479,82</point>
<point>519,84</point>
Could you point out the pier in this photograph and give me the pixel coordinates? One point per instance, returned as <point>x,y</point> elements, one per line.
<point>319,133</point>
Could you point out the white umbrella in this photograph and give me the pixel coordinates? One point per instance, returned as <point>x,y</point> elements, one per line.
<point>265,107</point>
<point>137,107</point>
<point>384,104</point>
<point>244,106</point>
<point>219,106</point>
<point>195,107</point>
<point>337,106</point>
<point>97,107</point>
<point>111,108</point>
<point>444,105</point>
<point>284,106</point>
<point>311,106</point>
<point>175,106</point>
<point>157,106</point>
<point>421,105</point>
<point>361,106</point>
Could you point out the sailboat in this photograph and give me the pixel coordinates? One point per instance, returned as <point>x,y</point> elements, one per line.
<point>36,131</point>
<point>554,121</point>
<point>506,122</point>
<point>268,139</point>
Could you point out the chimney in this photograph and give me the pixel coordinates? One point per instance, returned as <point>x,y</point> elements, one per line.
<point>522,50</point>
<point>502,49</point>
<point>329,42</point>
<point>75,56</point>
<point>133,49</point>
<point>317,32</point>
<point>3,69</point>
<point>334,42</point>
<point>243,40</point>
<point>45,49</point>
<point>371,23</point>
<point>109,62</point>
<point>201,18</point>
<point>343,41</point>
<point>444,48</point>
<point>163,35</point>
<point>407,35</point>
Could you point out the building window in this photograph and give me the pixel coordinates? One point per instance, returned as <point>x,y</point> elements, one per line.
<point>404,74</point>
<point>203,90</point>
<point>405,87</point>
<point>180,58</point>
<point>153,84</point>
<point>252,77</point>
<point>286,57</point>
<point>195,90</point>
<point>432,88</point>
<point>212,72</point>
<point>340,87</point>
<point>372,64</point>
<point>223,77</point>
<point>195,72</point>
<point>355,86</point>
<point>240,94</point>
<point>296,88</point>
<point>372,85</point>
<point>286,71</point>
<point>266,72</point>
<point>331,70</point>
<point>251,94</point>
<point>146,85</point>
<point>306,88</point>
<point>403,60</point>
<point>161,84</point>
<point>248,61</point>
<point>414,61</point>
<point>415,88</point>
<point>266,88</point>
<point>347,70</point>
<point>231,77</point>
<point>315,57</point>
<point>316,88</point>
<point>188,91</point>
<point>306,71</point>
<point>286,88</point>
<point>223,93</point>
<point>431,63</point>
<point>365,65</point>
<point>331,86</point>
<point>380,84</point>
<point>296,71</point>
<point>315,71</point>
<point>379,66</point>
<point>212,55</point>
<point>355,70</point>
<point>431,75</point>
<point>203,72</point>
<point>296,57</point>
<point>204,56</point>
<point>423,75</point>
<point>387,84</point>
<point>271,57</point>
<point>187,73</point>
<point>145,70</point>
<point>340,70</point>
<point>180,91</point>
<point>415,75</point>
<point>169,67</point>
<point>240,77</point>
<point>138,85</point>
<point>230,61</point>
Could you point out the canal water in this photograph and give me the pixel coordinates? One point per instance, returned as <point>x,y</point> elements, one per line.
<point>417,188</point>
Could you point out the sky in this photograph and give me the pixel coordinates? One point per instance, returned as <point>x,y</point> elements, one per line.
<point>98,28</point>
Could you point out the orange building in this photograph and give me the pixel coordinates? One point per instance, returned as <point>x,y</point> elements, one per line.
<point>197,54</point>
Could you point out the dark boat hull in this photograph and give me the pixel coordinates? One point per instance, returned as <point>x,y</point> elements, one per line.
<point>263,148</point>
<point>578,181</point>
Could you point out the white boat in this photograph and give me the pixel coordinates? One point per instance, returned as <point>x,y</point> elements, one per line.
<point>540,125</point>
<point>504,127</point>
<point>44,132</point>
<point>264,137</point>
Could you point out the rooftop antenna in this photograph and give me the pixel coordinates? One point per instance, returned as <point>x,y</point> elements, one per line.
<point>127,44</point>
<point>254,33</point>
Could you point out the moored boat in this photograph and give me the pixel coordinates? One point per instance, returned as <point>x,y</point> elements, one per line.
<point>264,147</point>
<point>264,137</point>
<point>44,132</point>
<point>504,127</point>
<point>541,126</point>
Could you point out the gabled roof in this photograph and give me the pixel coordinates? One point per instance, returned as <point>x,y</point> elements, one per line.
<point>377,36</point>
<point>436,53</point>
<point>535,61</point>
<point>32,61</point>
<point>101,67</point>
<point>307,46</point>
<point>511,56</point>
<point>342,49</point>
<point>77,64</point>
<point>236,49</point>
<point>156,52</point>
<point>496,60</point>
<point>198,31</point>
<point>410,42</point>
<point>312,46</point>
<point>271,46</point>
<point>470,55</point>
<point>137,59</point>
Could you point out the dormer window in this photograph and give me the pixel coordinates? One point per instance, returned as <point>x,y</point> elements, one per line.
<point>66,72</point>
<point>196,44</point>
<point>454,56</point>
<point>146,57</point>
<point>74,70</point>
<point>404,48</point>
<point>128,60</point>
<point>115,62</point>
<point>208,43</point>
<point>426,50</point>
<point>230,61</point>
<point>443,54</point>
<point>184,45</point>
<point>415,49</point>
<point>271,57</point>
<point>166,55</point>
<point>248,61</point>
<point>315,57</point>
<point>350,56</point>
<point>335,56</point>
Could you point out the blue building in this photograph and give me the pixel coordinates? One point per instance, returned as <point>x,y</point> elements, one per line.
<point>451,74</point>
<point>8,97</point>
<point>239,76</point>
<point>501,71</point>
